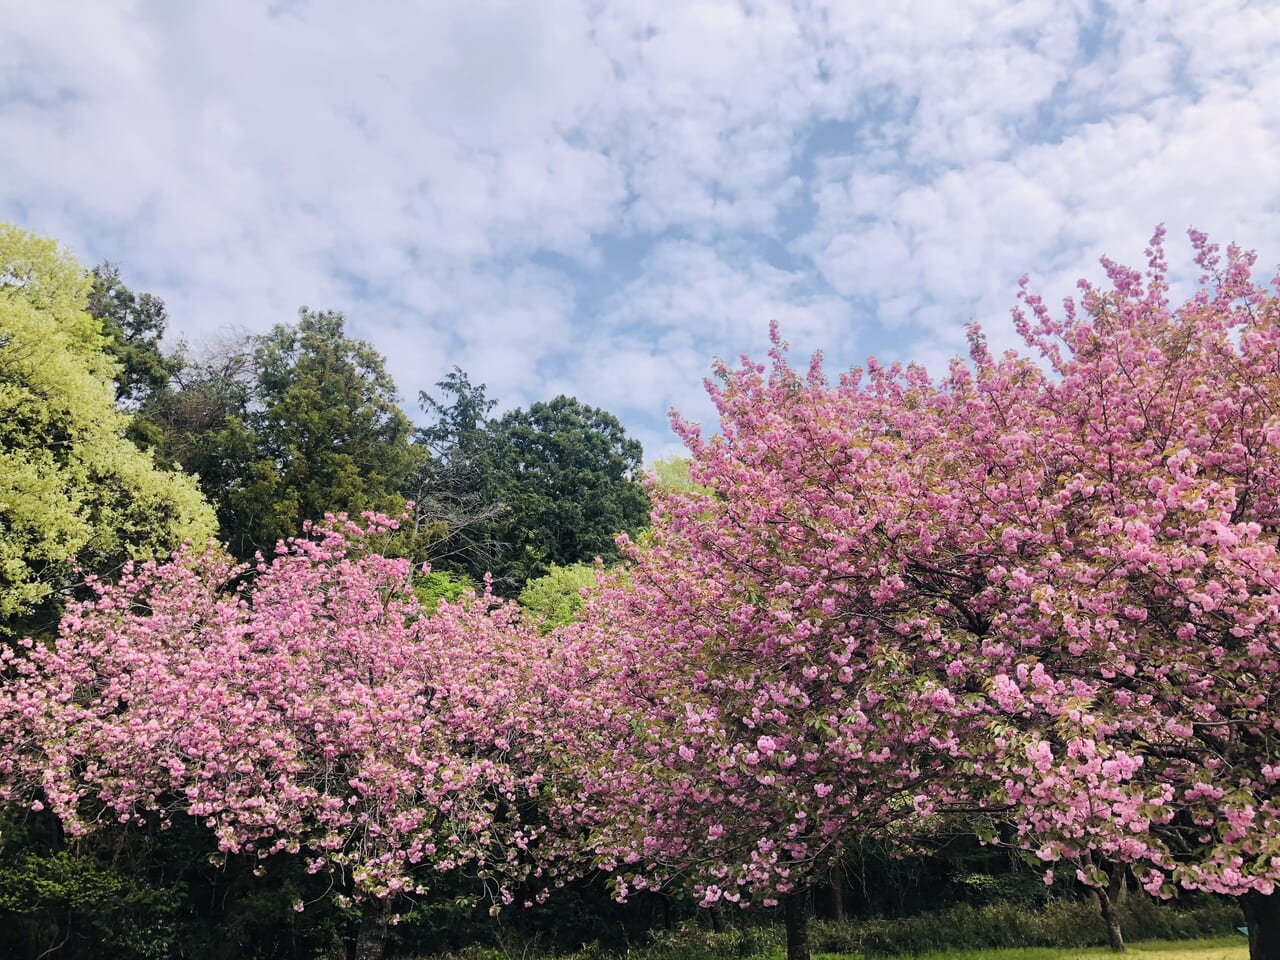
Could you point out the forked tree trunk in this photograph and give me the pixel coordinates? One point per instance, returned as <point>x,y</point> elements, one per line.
<point>1262,914</point>
<point>371,940</point>
<point>795,907</point>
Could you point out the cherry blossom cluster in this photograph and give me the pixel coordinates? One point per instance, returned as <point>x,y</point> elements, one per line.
<point>1043,586</point>
<point>316,708</point>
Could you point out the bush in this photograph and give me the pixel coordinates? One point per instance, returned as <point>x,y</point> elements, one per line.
<point>77,906</point>
<point>1144,919</point>
<point>1060,923</point>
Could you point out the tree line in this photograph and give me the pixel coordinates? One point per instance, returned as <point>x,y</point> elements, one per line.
<point>273,430</point>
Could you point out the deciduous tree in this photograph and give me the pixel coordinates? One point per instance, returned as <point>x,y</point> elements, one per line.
<point>71,484</point>
<point>308,706</point>
<point>1048,590</point>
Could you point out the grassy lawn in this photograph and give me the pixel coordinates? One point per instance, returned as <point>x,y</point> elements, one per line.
<point>1222,948</point>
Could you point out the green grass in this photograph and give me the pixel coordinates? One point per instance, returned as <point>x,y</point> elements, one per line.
<point>1219,948</point>
<point>831,941</point>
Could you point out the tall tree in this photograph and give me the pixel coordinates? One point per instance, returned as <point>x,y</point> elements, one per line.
<point>1048,593</point>
<point>1134,582</point>
<point>199,417</point>
<point>763,701</point>
<point>71,484</point>
<point>454,513</point>
<point>550,485</point>
<point>133,325</point>
<point>287,427</point>
<point>569,477</point>
<point>328,432</point>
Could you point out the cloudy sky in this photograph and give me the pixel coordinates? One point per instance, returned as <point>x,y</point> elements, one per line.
<point>598,197</point>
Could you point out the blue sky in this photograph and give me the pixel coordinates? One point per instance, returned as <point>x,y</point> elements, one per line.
<point>597,198</point>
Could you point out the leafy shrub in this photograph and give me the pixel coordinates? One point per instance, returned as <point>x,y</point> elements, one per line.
<point>1144,919</point>
<point>82,906</point>
<point>1060,923</point>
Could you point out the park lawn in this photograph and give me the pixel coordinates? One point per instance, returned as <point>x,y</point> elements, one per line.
<point>1219,948</point>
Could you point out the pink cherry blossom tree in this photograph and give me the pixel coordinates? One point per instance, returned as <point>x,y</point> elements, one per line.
<point>778,685</point>
<point>1138,595</point>
<point>320,711</point>
<point>1043,588</point>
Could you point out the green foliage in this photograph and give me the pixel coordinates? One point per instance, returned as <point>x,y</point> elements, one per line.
<point>553,484</point>
<point>286,427</point>
<point>133,325</point>
<point>568,475</point>
<point>1060,923</point>
<point>89,907</point>
<point>1218,948</point>
<point>974,932</point>
<point>453,510</point>
<point>199,417</point>
<point>672,473</point>
<point>71,483</point>
<point>326,430</point>
<point>555,598</point>
<point>694,942</point>
<point>431,588</point>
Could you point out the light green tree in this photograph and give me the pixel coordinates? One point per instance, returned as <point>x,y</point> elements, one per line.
<point>672,473</point>
<point>71,484</point>
<point>555,598</point>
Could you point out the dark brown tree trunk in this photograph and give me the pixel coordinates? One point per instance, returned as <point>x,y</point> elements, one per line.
<point>371,940</point>
<point>795,908</point>
<point>1262,914</point>
<point>837,893</point>
<point>1115,940</point>
<point>718,923</point>
<point>1109,901</point>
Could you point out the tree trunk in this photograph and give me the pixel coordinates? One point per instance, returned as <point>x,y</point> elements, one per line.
<point>1120,885</point>
<point>795,907</point>
<point>371,941</point>
<point>1115,940</point>
<point>1262,914</point>
<point>718,924</point>
<point>227,910</point>
<point>837,893</point>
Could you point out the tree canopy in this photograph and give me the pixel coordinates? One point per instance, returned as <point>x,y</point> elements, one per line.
<point>1048,594</point>
<point>286,427</point>
<point>550,485</point>
<point>1039,591</point>
<point>71,484</point>
<point>133,325</point>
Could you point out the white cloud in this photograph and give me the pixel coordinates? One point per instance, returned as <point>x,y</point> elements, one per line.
<point>447,172</point>
<point>1182,139</point>
<point>655,340</point>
